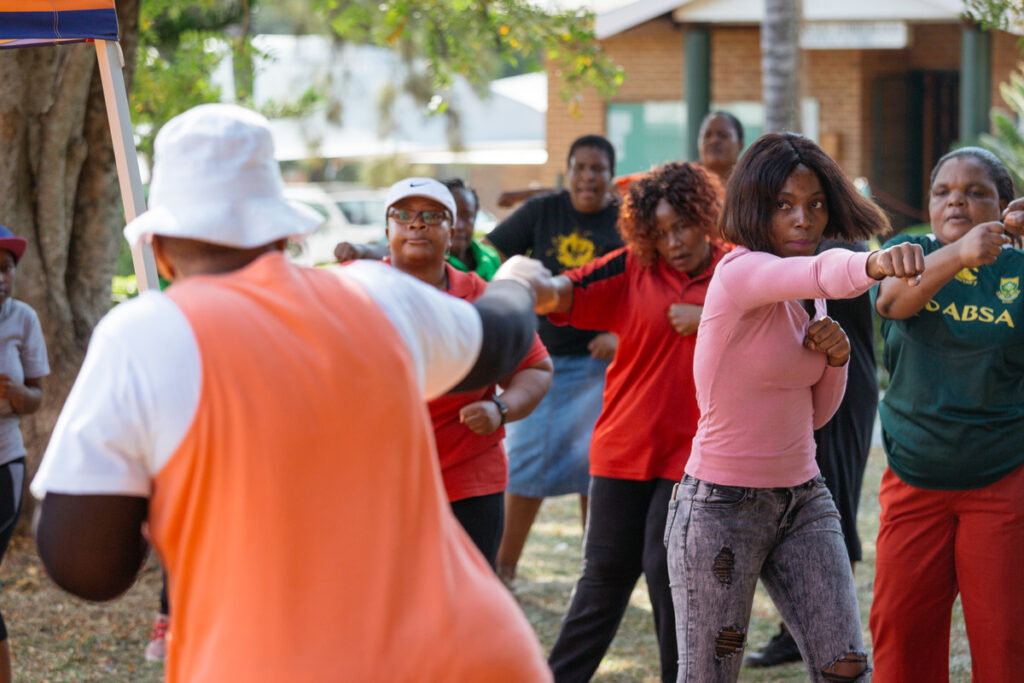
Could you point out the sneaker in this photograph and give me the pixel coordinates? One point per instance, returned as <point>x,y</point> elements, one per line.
<point>156,650</point>
<point>781,649</point>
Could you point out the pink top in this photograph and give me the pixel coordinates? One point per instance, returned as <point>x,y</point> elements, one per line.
<point>760,392</point>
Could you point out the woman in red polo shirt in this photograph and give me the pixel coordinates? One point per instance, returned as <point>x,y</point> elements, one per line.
<point>650,293</point>
<point>468,427</point>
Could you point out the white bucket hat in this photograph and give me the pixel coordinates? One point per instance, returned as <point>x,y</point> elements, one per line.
<point>423,187</point>
<point>215,179</point>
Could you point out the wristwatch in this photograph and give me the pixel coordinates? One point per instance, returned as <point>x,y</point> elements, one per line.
<point>502,408</point>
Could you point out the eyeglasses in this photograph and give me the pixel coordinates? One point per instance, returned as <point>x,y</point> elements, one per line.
<point>405,217</point>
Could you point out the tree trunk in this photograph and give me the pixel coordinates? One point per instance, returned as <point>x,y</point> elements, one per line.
<point>780,65</point>
<point>60,192</point>
<point>242,58</point>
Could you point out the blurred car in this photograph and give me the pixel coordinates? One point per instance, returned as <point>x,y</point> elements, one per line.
<point>352,214</point>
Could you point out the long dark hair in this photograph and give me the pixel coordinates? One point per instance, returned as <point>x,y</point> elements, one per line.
<point>758,178</point>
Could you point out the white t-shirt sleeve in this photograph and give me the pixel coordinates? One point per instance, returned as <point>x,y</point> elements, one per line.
<point>443,333</point>
<point>131,405</point>
<point>33,349</point>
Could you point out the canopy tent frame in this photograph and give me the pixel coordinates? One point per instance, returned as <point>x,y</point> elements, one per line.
<point>33,24</point>
<point>115,95</point>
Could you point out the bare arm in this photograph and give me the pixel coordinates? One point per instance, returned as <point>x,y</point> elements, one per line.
<point>561,301</point>
<point>898,300</point>
<point>513,197</point>
<point>832,274</point>
<point>524,391</point>
<point>346,251</point>
<point>92,545</point>
<point>25,398</point>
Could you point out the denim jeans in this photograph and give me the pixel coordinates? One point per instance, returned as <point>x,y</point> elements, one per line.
<point>720,539</point>
<point>549,449</point>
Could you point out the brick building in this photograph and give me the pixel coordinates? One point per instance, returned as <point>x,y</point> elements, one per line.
<point>887,85</point>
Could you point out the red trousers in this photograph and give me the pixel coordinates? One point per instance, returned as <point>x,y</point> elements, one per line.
<point>932,545</point>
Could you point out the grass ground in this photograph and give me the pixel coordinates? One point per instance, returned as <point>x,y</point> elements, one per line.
<point>57,638</point>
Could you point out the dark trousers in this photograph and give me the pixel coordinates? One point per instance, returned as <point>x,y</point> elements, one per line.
<point>625,536</point>
<point>12,479</point>
<point>483,518</point>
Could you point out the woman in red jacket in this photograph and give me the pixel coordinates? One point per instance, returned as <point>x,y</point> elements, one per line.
<point>649,293</point>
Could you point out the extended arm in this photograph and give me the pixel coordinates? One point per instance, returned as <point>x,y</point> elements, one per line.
<point>508,322</point>
<point>510,198</point>
<point>521,287</point>
<point>92,545</point>
<point>832,274</point>
<point>981,245</point>
<point>561,300</point>
<point>347,251</point>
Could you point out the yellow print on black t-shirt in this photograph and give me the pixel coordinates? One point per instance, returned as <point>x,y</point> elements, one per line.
<point>573,250</point>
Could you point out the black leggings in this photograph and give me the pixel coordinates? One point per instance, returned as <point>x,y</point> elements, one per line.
<point>12,478</point>
<point>483,518</point>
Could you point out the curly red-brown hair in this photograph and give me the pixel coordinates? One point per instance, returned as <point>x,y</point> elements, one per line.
<point>690,190</point>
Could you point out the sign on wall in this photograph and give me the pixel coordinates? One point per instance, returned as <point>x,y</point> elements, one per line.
<point>854,35</point>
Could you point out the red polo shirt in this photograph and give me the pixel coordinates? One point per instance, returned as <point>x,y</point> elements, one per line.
<point>471,464</point>
<point>650,409</point>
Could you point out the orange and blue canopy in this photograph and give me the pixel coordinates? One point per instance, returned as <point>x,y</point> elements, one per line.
<point>46,22</point>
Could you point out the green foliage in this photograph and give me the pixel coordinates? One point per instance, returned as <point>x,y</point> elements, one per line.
<point>180,44</point>
<point>1001,15</point>
<point>478,38</point>
<point>168,85</point>
<point>179,47</point>
<point>384,171</point>
<point>1008,141</point>
<point>995,14</point>
<point>306,102</point>
<point>123,287</point>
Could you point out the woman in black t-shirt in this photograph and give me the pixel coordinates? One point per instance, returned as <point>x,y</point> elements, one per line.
<point>549,451</point>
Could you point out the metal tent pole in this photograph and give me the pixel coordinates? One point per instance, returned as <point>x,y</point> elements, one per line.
<point>111,61</point>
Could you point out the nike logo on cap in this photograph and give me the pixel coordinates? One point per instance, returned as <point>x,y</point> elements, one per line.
<point>419,184</point>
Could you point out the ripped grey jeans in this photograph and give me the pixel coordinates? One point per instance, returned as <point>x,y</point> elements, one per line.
<point>720,539</point>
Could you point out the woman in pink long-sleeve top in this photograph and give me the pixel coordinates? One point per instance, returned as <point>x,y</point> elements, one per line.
<point>770,367</point>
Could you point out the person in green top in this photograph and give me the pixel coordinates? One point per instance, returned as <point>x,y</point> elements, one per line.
<point>952,420</point>
<point>466,253</point>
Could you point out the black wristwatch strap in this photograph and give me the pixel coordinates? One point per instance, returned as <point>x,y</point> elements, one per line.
<point>502,408</point>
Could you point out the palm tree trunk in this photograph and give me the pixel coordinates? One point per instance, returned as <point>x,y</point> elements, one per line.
<point>780,65</point>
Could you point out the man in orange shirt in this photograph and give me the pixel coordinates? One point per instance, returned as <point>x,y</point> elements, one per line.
<point>268,423</point>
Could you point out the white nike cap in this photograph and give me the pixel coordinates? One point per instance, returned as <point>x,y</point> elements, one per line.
<point>422,187</point>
